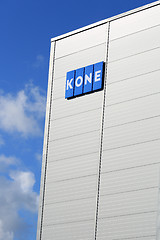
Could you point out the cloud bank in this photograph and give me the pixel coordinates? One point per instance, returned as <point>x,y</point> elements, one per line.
<point>39,62</point>
<point>16,194</point>
<point>21,112</point>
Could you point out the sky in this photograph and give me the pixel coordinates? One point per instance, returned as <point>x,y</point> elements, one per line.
<point>26,29</point>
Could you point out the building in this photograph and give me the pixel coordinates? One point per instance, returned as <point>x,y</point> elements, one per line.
<point>101,155</point>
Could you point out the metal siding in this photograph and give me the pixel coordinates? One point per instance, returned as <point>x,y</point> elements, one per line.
<point>132,111</point>
<point>129,184</point>
<point>67,212</point>
<point>71,189</point>
<point>135,156</point>
<point>129,180</point>
<point>138,226</point>
<point>76,166</point>
<point>76,231</point>
<point>135,43</point>
<point>128,203</point>
<point>74,144</point>
<point>75,124</point>
<point>60,91</point>
<point>128,194</point>
<point>63,108</point>
<point>133,66</point>
<point>81,41</point>
<point>135,22</point>
<point>131,157</point>
<point>132,133</point>
<point>149,83</point>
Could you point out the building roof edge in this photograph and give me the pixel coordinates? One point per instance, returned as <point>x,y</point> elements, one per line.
<point>105,21</point>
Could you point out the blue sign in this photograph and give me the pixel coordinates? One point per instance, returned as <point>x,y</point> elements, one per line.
<point>98,74</point>
<point>79,77</point>
<point>88,79</point>
<point>70,84</point>
<point>84,80</point>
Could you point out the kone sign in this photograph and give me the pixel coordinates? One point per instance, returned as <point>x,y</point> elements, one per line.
<point>84,80</point>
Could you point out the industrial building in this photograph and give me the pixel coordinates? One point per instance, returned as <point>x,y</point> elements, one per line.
<point>100,175</point>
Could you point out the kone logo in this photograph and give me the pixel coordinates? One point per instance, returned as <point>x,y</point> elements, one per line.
<point>84,80</point>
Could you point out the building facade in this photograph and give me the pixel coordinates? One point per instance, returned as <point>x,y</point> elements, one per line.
<point>101,154</point>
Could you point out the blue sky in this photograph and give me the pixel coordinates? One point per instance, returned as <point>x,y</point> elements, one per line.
<point>26,29</point>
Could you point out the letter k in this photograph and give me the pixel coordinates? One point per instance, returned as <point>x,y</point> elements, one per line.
<point>69,85</point>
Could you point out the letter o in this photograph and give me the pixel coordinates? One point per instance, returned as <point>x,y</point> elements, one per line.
<point>80,83</point>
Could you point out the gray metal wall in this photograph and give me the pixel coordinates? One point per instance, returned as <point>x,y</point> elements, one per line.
<point>100,173</point>
<point>131,144</point>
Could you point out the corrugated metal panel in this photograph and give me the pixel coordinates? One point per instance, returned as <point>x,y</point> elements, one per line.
<point>71,189</point>
<point>135,110</point>
<point>72,167</point>
<point>128,180</point>
<point>81,41</point>
<point>134,44</point>
<point>63,108</point>
<point>75,124</point>
<point>132,156</point>
<point>69,212</point>
<point>131,153</point>
<point>133,66</point>
<point>60,91</point>
<point>76,231</point>
<point>127,227</point>
<point>128,203</point>
<point>135,22</point>
<point>132,133</point>
<point>74,144</point>
<point>132,88</point>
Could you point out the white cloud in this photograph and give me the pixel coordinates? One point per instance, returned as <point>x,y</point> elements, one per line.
<point>5,162</point>
<point>21,112</point>
<point>39,62</point>
<point>25,180</point>
<point>5,235</point>
<point>38,156</point>
<point>8,160</point>
<point>36,100</point>
<point>16,194</point>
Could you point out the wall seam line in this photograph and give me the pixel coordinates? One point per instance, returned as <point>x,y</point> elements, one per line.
<point>102,130</point>
<point>48,130</point>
